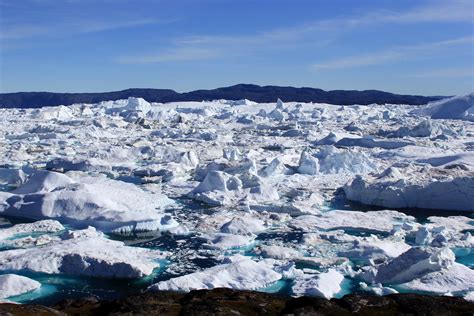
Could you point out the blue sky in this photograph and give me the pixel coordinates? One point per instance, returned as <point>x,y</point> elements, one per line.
<point>413,47</point>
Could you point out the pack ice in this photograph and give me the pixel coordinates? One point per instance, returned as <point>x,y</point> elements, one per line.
<point>296,198</point>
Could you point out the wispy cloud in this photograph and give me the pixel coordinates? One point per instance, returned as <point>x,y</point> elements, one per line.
<point>390,55</point>
<point>38,19</point>
<point>454,11</point>
<point>68,28</point>
<point>443,11</point>
<point>180,54</point>
<point>22,31</point>
<point>445,73</point>
<point>201,47</point>
<point>191,48</point>
<point>100,26</point>
<point>360,60</point>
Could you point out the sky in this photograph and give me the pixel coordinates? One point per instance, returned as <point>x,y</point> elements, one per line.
<point>404,46</point>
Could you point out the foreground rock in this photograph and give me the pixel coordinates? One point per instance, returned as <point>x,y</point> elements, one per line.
<point>228,302</point>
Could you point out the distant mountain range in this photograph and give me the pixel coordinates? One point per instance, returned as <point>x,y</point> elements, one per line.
<point>240,91</point>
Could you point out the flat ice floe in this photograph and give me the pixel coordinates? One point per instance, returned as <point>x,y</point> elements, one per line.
<point>381,221</point>
<point>82,253</point>
<point>12,285</point>
<point>416,187</point>
<point>325,285</point>
<point>45,226</point>
<point>239,273</point>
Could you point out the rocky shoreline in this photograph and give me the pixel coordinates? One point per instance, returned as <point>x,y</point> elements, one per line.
<point>227,302</point>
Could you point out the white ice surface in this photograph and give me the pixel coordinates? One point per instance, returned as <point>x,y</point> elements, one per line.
<point>268,169</point>
<point>415,187</point>
<point>44,226</point>
<point>324,285</point>
<point>13,284</point>
<point>459,107</point>
<point>83,253</point>
<point>81,200</point>
<point>241,273</point>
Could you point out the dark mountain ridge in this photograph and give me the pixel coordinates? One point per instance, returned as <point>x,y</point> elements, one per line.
<point>236,92</point>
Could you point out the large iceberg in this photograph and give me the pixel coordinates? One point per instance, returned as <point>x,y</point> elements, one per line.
<point>415,187</point>
<point>413,264</point>
<point>457,278</point>
<point>458,107</point>
<point>330,160</point>
<point>82,200</point>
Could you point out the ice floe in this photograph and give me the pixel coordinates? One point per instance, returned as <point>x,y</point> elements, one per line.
<point>326,284</point>
<point>13,285</point>
<point>83,253</point>
<point>415,187</point>
<point>45,226</point>
<point>239,273</point>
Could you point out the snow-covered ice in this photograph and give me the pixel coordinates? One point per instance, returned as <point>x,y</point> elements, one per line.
<point>416,187</point>
<point>12,285</point>
<point>239,273</point>
<point>84,200</point>
<point>84,253</point>
<point>459,107</point>
<point>325,285</point>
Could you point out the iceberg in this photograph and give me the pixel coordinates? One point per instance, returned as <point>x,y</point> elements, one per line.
<point>83,253</point>
<point>240,273</point>
<point>415,187</point>
<point>13,285</point>
<point>326,285</point>
<point>82,200</point>
<point>458,107</point>
<point>457,278</point>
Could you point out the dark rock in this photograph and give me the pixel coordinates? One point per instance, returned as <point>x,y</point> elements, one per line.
<point>231,302</point>
<point>27,310</point>
<point>313,306</point>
